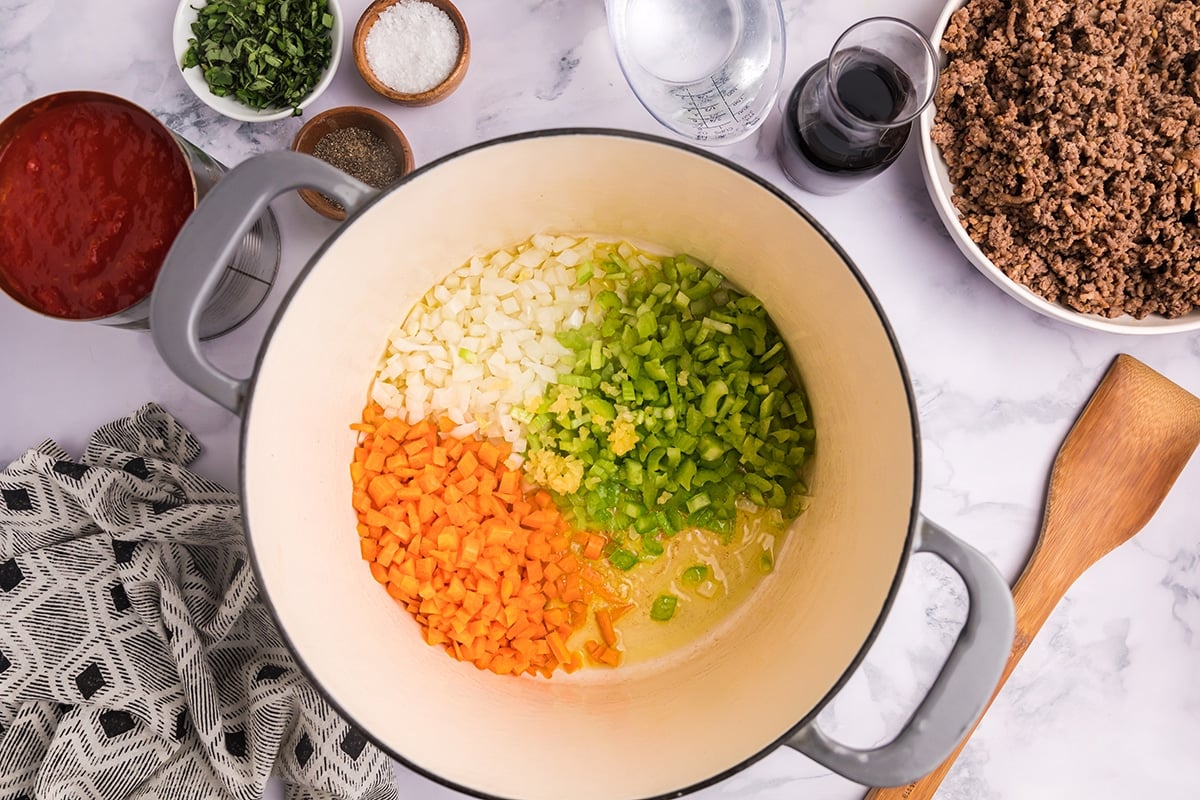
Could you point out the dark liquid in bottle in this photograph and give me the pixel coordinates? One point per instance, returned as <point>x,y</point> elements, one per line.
<point>835,148</point>
<point>873,90</point>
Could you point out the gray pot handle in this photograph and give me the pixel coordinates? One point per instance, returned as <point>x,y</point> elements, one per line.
<point>958,696</point>
<point>208,242</point>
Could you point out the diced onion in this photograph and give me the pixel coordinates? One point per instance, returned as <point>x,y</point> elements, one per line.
<point>503,309</point>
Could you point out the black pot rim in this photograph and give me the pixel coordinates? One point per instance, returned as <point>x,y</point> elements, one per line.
<point>914,511</point>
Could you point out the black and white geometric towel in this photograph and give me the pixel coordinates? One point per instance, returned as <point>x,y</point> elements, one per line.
<point>136,660</point>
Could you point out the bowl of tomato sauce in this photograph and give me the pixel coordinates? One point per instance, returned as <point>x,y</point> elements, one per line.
<point>93,191</point>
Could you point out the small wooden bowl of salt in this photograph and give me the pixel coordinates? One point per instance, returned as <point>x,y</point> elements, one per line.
<point>413,52</point>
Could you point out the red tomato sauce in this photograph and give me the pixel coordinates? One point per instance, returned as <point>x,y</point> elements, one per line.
<point>92,194</point>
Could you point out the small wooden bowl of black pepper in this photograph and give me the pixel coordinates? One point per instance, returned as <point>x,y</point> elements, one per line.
<point>360,142</point>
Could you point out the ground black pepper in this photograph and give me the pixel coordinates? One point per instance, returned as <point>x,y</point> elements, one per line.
<point>360,154</point>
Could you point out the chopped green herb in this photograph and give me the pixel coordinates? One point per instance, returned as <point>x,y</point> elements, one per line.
<point>265,54</point>
<point>664,607</point>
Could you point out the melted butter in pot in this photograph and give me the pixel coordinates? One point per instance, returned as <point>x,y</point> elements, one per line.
<point>734,564</point>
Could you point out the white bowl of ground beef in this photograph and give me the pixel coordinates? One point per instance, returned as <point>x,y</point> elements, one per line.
<point>1063,155</point>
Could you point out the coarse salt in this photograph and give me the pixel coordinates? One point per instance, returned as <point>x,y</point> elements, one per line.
<point>413,46</point>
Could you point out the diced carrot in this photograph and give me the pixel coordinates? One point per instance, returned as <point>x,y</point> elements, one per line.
<point>533,571</point>
<point>595,546</point>
<point>424,569</point>
<point>489,455</point>
<point>578,614</point>
<point>467,464</point>
<point>386,555</point>
<point>381,490</point>
<point>485,569</point>
<point>610,656</point>
<point>539,519</point>
<point>438,457</point>
<point>369,548</point>
<point>572,588</point>
<point>400,529</point>
<point>448,539</point>
<point>397,463</point>
<point>499,534</point>
<point>558,648</point>
<point>590,575</point>
<point>473,602</point>
<point>425,508</point>
<point>408,492</point>
<point>604,621</point>
<point>428,483</point>
<point>616,612</point>
<point>470,550</point>
<point>457,513</point>
<point>375,461</point>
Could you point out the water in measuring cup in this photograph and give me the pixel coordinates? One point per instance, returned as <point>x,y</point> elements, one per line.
<point>682,41</point>
<point>705,68</point>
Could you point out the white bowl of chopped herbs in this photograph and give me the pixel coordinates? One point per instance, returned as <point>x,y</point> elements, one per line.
<point>255,61</point>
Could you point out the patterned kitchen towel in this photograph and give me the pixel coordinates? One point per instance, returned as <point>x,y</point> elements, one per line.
<point>136,660</point>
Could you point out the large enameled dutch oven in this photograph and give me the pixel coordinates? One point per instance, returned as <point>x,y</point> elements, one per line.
<point>655,729</point>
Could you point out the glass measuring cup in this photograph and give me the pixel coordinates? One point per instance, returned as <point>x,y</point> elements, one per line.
<point>708,70</point>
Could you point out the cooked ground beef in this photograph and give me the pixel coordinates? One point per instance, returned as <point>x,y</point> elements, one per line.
<point>1072,135</point>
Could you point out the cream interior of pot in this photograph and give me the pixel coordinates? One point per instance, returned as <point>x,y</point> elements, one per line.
<point>602,733</point>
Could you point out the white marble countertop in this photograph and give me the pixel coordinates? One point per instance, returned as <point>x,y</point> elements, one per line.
<point>1106,703</point>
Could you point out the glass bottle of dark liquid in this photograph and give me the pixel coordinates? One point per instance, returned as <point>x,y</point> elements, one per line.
<point>849,116</point>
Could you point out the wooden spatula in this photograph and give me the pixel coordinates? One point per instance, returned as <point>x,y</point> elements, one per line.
<point>1113,470</point>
